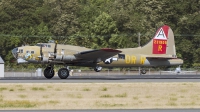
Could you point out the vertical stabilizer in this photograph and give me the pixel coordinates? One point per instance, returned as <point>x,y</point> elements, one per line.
<point>161,44</point>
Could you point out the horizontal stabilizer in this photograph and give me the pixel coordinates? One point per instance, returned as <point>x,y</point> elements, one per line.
<point>161,57</point>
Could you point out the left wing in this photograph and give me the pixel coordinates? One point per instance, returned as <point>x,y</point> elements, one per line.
<point>97,55</point>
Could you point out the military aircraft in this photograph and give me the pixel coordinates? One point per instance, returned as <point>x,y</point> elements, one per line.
<point>160,51</point>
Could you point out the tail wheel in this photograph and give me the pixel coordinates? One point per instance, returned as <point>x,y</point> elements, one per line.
<point>97,68</point>
<point>49,72</point>
<point>143,71</point>
<point>63,73</point>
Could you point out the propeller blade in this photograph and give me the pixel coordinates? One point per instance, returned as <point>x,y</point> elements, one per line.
<point>55,49</point>
<point>41,54</point>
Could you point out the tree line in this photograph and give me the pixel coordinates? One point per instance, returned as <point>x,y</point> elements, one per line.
<point>99,23</point>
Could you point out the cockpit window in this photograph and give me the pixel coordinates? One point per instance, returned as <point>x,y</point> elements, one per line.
<point>20,50</point>
<point>32,52</point>
<point>44,45</point>
<point>38,44</point>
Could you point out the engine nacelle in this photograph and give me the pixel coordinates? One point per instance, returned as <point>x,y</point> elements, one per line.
<point>59,57</point>
<point>45,57</point>
<point>69,57</point>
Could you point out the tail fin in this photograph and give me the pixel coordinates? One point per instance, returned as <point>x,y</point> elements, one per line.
<point>162,43</point>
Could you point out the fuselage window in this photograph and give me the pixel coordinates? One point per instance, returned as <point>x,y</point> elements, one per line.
<point>43,45</point>
<point>32,52</point>
<point>121,56</point>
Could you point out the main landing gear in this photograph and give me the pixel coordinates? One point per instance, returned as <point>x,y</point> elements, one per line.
<point>49,72</point>
<point>63,73</point>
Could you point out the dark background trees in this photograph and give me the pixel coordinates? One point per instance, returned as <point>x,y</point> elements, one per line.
<point>99,23</point>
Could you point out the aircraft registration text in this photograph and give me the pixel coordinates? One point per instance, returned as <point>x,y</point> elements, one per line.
<point>159,46</point>
<point>131,59</point>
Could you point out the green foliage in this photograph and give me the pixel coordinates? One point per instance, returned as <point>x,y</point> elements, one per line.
<point>103,28</point>
<point>121,95</point>
<point>17,104</point>
<point>3,88</point>
<point>86,89</point>
<point>104,89</point>
<point>106,96</point>
<point>97,24</point>
<point>38,89</point>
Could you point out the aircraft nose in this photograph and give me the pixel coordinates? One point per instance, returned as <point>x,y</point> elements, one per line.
<point>15,52</point>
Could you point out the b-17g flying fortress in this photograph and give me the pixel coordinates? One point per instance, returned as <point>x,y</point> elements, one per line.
<point>160,51</point>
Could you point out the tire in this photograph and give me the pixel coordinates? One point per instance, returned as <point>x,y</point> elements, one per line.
<point>143,71</point>
<point>63,73</point>
<point>48,73</point>
<point>97,68</point>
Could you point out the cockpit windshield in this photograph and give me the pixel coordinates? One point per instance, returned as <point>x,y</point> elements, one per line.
<point>44,45</point>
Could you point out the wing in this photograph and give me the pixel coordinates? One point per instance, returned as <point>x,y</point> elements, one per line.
<point>97,55</point>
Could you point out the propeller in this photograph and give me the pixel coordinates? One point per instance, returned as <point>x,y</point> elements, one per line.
<point>55,49</point>
<point>41,54</point>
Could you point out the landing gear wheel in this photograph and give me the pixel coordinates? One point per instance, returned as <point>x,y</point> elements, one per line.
<point>143,71</point>
<point>49,72</point>
<point>97,68</point>
<point>63,73</point>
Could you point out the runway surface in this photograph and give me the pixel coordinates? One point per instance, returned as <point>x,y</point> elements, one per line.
<point>109,110</point>
<point>105,79</point>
